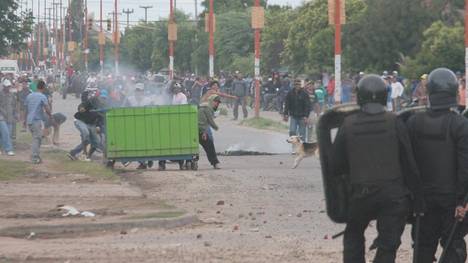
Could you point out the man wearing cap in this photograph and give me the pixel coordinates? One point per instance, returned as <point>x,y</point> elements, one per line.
<point>205,122</point>
<point>7,117</point>
<point>138,99</point>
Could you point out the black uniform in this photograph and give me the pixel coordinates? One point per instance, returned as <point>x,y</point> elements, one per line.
<point>440,142</point>
<point>373,148</point>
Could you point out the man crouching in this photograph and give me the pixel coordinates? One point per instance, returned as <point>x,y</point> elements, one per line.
<point>205,123</point>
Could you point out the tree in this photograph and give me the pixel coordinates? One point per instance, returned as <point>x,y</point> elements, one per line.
<point>14,28</point>
<point>277,23</point>
<point>224,6</point>
<point>387,31</point>
<point>443,46</point>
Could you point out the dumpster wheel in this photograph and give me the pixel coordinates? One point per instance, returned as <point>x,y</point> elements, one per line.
<point>194,165</point>
<point>110,164</point>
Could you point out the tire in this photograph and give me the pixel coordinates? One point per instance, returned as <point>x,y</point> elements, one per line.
<point>110,164</point>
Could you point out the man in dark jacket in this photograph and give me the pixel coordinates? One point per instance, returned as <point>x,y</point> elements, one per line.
<point>440,142</point>
<point>86,122</point>
<point>372,148</point>
<point>297,108</point>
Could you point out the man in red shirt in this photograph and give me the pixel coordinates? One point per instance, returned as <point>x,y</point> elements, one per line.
<point>331,91</point>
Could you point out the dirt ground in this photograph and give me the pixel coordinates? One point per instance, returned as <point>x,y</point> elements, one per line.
<point>256,209</point>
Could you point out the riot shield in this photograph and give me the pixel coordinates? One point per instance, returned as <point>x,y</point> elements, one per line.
<point>334,185</point>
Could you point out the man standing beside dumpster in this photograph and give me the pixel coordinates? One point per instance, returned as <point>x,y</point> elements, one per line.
<point>205,121</point>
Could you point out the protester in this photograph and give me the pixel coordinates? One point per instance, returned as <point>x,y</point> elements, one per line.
<point>462,95</point>
<point>240,89</point>
<point>36,105</point>
<point>86,122</point>
<point>214,90</point>
<point>331,92</point>
<point>420,94</point>
<point>205,122</point>
<point>397,93</point>
<point>297,109</point>
<point>7,111</point>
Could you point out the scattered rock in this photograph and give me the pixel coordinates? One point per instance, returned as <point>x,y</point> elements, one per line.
<point>322,211</point>
<point>268,236</point>
<point>254,218</point>
<point>199,236</point>
<point>134,230</point>
<point>199,212</point>
<point>221,202</point>
<point>281,163</point>
<point>250,214</point>
<point>299,215</point>
<point>207,244</point>
<point>254,230</point>
<point>218,212</point>
<point>123,232</point>
<point>235,228</point>
<point>264,222</point>
<point>241,216</point>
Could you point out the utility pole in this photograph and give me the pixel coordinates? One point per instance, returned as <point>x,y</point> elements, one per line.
<point>86,50</point>
<point>175,4</point>
<point>116,38</point>
<point>171,43</point>
<point>211,49</point>
<point>146,7</point>
<point>466,49</point>
<point>56,6</point>
<point>257,24</point>
<point>64,39</point>
<point>44,40</point>
<point>196,10</point>
<point>128,12</point>
<point>338,21</point>
<point>101,39</point>
<point>38,54</point>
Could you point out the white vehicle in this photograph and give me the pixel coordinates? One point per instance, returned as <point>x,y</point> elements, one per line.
<point>9,66</point>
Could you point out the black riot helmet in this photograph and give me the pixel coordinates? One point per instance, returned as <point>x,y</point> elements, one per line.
<point>442,88</point>
<point>372,94</point>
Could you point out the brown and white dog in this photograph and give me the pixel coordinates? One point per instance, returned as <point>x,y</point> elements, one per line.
<point>303,149</point>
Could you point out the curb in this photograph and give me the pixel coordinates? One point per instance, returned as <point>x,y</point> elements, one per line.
<point>67,230</point>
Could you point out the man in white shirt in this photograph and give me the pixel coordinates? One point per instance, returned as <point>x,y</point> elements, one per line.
<point>397,92</point>
<point>139,99</point>
<point>179,97</point>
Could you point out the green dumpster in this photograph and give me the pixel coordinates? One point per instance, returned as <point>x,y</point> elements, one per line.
<point>152,133</point>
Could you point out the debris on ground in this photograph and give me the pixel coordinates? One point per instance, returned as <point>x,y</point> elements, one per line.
<point>221,202</point>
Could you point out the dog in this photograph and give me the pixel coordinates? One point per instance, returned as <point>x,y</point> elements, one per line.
<point>303,149</point>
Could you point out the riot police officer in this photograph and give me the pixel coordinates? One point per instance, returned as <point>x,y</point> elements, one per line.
<point>373,150</point>
<point>440,142</point>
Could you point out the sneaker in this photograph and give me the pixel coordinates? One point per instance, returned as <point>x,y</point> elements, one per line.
<point>216,166</point>
<point>11,153</point>
<point>37,161</point>
<point>87,159</point>
<point>71,157</point>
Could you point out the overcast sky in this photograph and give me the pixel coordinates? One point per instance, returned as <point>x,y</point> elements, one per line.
<point>160,7</point>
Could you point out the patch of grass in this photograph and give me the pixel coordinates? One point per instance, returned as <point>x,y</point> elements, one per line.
<point>157,215</point>
<point>11,169</point>
<point>265,124</point>
<point>60,163</point>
